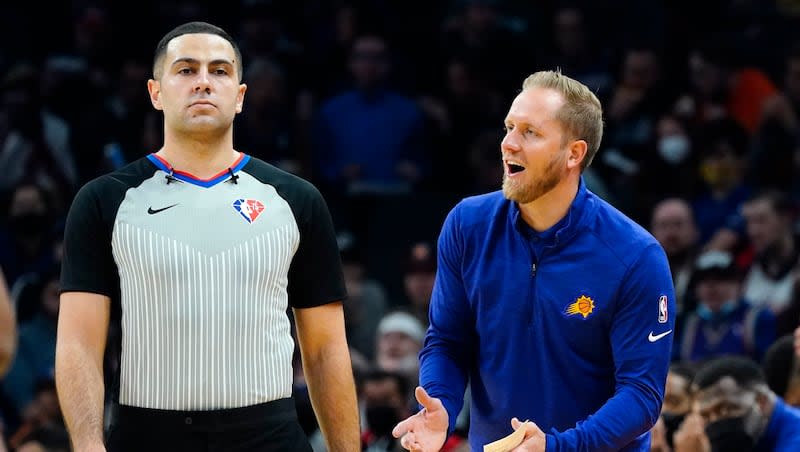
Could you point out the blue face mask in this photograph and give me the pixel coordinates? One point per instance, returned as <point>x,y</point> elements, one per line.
<point>707,314</point>
<point>674,148</point>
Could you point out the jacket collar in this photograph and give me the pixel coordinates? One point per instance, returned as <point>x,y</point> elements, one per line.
<point>577,216</point>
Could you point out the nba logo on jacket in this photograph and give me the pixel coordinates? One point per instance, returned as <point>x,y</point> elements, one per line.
<point>663,315</point>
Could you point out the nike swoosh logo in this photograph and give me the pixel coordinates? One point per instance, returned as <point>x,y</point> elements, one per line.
<point>152,211</point>
<point>654,337</point>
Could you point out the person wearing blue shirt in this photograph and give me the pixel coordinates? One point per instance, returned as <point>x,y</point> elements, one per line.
<point>736,411</point>
<point>553,305</point>
<point>724,322</point>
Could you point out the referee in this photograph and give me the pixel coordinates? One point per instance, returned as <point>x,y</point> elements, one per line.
<point>194,254</point>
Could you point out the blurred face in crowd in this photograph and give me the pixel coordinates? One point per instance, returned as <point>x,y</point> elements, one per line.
<point>27,199</point>
<point>674,144</point>
<point>677,395</point>
<point>28,212</point>
<point>265,85</point>
<point>533,149</point>
<point>765,226</point>
<point>568,28</point>
<point>640,69</point>
<point>673,226</point>
<point>734,416</point>
<point>398,352</point>
<point>677,403</point>
<point>369,62</point>
<point>132,74</point>
<point>706,77</point>
<point>721,168</point>
<point>792,78</point>
<point>460,81</point>
<point>480,15</point>
<point>420,276</point>
<point>419,287</point>
<point>384,404</point>
<point>198,86</point>
<point>715,291</point>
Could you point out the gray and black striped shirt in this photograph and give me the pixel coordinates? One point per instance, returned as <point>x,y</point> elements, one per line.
<point>201,273</point>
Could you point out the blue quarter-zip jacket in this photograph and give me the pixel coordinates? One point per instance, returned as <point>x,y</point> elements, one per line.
<point>570,328</point>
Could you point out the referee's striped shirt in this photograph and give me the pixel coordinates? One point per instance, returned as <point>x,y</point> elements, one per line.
<point>200,274</point>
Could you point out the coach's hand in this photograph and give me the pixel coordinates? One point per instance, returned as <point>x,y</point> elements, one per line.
<point>534,440</point>
<point>426,430</point>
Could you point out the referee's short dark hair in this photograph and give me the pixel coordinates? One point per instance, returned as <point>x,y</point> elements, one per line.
<point>191,28</point>
<point>744,371</point>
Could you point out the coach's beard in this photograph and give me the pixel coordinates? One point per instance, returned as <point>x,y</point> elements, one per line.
<point>524,193</point>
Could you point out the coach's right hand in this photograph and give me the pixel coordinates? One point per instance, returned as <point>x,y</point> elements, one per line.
<point>426,430</point>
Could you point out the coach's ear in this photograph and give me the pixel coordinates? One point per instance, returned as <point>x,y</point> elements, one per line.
<point>154,88</point>
<point>577,153</point>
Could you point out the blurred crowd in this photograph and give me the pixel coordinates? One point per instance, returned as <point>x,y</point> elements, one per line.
<point>394,109</point>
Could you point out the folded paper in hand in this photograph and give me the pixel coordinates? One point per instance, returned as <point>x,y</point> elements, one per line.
<point>507,443</point>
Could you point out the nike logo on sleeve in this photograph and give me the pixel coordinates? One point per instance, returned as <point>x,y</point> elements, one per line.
<point>654,337</point>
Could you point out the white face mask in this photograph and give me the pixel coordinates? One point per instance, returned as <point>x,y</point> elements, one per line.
<point>673,148</point>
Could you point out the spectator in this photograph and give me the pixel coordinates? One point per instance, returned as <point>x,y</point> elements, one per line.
<point>770,281</point>
<point>577,55</point>
<point>677,399</point>
<point>266,128</point>
<point>34,144</point>
<point>736,411</point>
<point>366,303</point>
<point>672,224</point>
<point>26,243</point>
<point>780,370</point>
<point>420,273</point>
<point>398,343</point>
<point>37,345</point>
<point>667,165</point>
<point>370,139</point>
<point>724,86</point>
<point>723,322</point>
<point>775,157</point>
<point>385,399</point>
<point>721,145</point>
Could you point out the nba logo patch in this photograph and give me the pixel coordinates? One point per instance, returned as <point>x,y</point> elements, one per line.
<point>250,209</point>
<point>663,314</point>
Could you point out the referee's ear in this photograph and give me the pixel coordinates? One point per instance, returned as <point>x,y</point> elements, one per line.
<point>154,88</point>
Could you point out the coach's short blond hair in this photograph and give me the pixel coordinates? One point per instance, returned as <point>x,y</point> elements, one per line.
<point>581,115</point>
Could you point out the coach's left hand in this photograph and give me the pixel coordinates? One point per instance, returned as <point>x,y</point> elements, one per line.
<point>534,440</point>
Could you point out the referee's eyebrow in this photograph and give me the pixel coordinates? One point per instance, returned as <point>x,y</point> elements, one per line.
<point>191,60</point>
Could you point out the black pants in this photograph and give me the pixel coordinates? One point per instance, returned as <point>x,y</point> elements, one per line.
<point>268,427</point>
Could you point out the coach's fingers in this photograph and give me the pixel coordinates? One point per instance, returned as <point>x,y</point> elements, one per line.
<point>405,426</point>
<point>409,442</point>
<point>529,427</point>
<point>430,403</point>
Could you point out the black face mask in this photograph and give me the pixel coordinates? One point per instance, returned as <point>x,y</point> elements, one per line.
<point>382,419</point>
<point>671,423</point>
<point>729,435</point>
